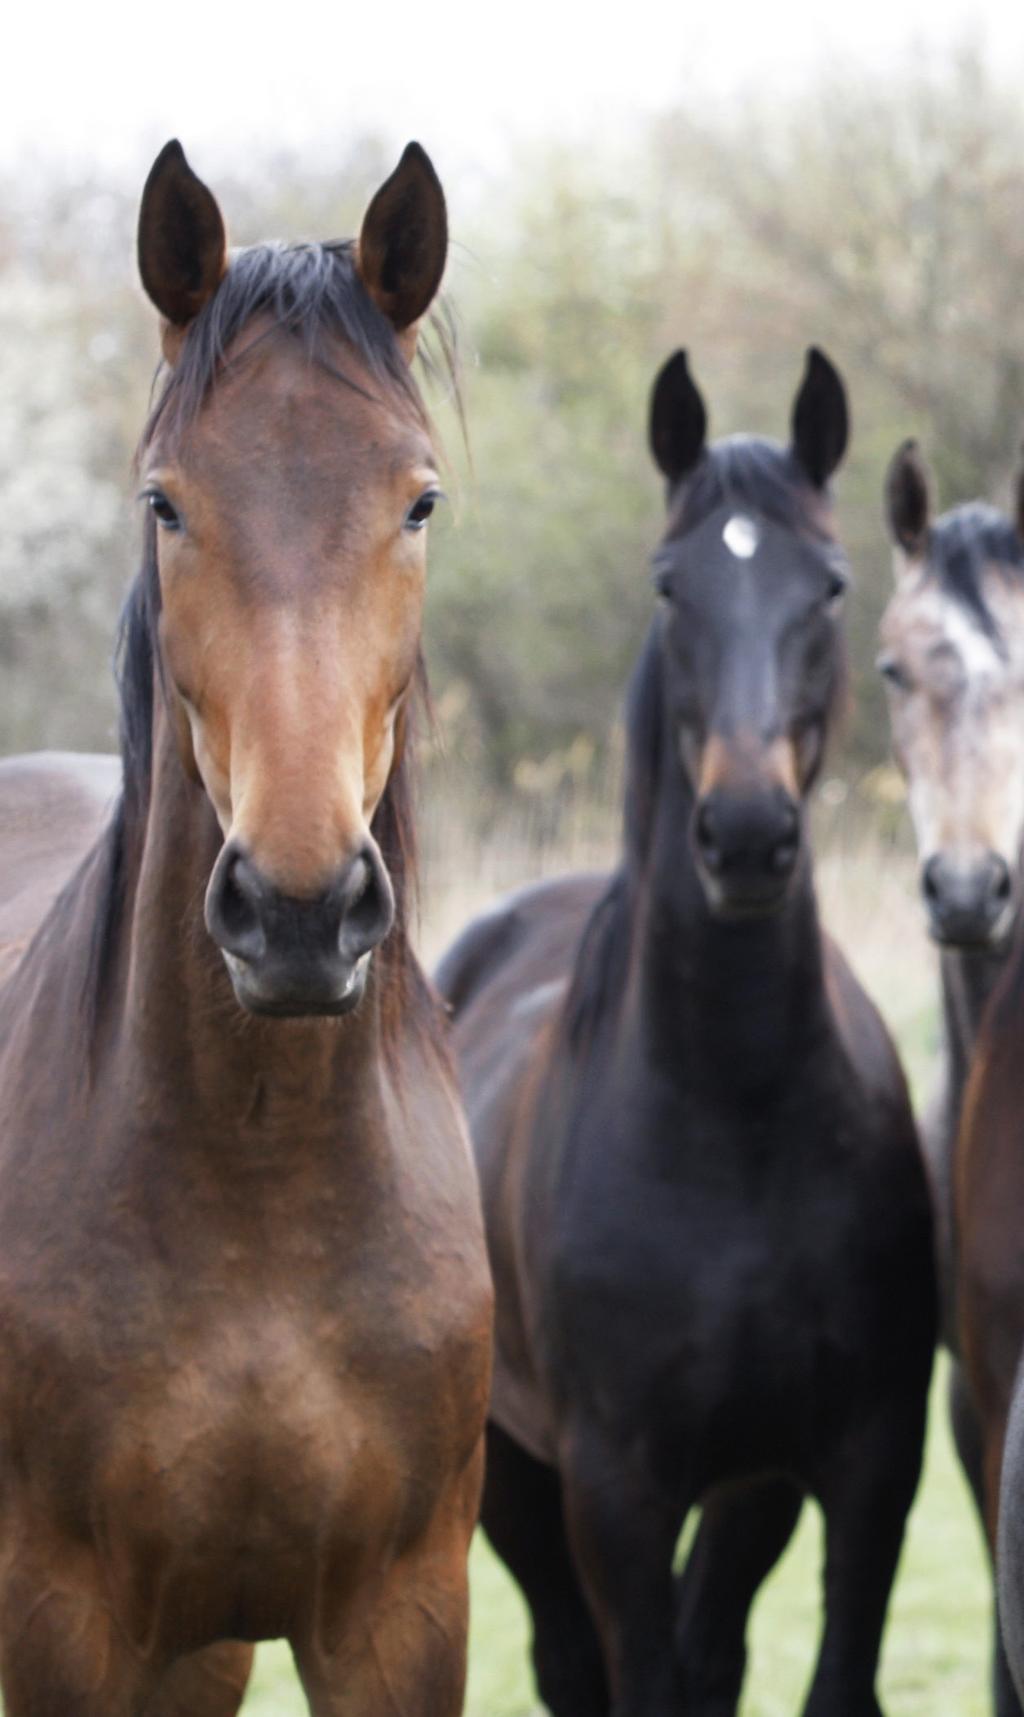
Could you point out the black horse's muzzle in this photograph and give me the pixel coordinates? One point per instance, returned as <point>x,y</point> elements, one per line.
<point>290,956</point>
<point>747,846</point>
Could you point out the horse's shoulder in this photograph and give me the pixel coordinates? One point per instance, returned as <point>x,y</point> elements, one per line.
<point>863,1033</point>
<point>530,936</point>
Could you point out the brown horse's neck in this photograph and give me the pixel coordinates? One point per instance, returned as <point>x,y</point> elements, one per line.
<point>180,1022</point>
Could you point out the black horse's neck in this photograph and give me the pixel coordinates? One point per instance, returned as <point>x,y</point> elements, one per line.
<point>735,1001</point>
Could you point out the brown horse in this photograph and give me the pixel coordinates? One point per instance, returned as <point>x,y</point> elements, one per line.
<point>707,1213</point>
<point>953,661</point>
<point>243,1287</point>
<point>988,1165</point>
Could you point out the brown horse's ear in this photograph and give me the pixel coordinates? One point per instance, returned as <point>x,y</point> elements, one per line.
<point>403,244</point>
<point>182,245</point>
<point>678,422</point>
<point>908,499</point>
<point>821,419</point>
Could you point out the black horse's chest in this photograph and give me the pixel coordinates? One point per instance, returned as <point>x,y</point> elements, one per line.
<point>722,1237</point>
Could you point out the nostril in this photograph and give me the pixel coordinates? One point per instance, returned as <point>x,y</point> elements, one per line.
<point>930,882</point>
<point>1002,885</point>
<point>787,844</point>
<point>367,906</point>
<point>784,857</point>
<point>232,909</point>
<point>706,831</point>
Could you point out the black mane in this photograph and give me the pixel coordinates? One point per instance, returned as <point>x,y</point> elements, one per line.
<point>963,543</point>
<point>749,472</point>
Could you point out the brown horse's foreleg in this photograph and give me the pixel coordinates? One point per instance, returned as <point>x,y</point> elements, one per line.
<point>407,1657</point>
<point>61,1652</point>
<point>401,1652</point>
<point>210,1683</point>
<point>993,1443</point>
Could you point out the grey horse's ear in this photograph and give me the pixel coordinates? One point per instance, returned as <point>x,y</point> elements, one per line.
<point>908,499</point>
<point>403,243</point>
<point>678,422</point>
<point>821,418</point>
<point>182,245</point>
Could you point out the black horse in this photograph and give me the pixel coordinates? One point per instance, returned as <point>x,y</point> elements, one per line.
<point>707,1213</point>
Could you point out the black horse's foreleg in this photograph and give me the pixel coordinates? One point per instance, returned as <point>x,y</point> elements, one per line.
<point>522,1516</point>
<point>743,1531</point>
<point>623,1532</point>
<point>866,1495</point>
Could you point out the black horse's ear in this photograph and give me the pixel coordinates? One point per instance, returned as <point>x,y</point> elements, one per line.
<point>1018,498</point>
<point>182,246</point>
<point>678,421</point>
<point>821,419</point>
<point>908,498</point>
<point>403,245</point>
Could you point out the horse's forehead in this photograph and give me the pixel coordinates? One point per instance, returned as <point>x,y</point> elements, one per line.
<point>934,626</point>
<point>273,400</point>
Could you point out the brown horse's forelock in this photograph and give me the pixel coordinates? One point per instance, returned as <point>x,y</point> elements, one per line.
<point>313,292</point>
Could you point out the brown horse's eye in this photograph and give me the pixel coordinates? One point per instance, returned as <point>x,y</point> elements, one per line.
<point>420,511</point>
<point>163,510</point>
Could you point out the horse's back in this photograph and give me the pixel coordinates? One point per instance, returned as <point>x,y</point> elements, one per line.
<point>53,805</point>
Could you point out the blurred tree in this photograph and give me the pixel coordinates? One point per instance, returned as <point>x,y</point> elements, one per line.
<point>883,220</point>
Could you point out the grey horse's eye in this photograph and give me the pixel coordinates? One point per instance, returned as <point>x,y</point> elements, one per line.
<point>892,670</point>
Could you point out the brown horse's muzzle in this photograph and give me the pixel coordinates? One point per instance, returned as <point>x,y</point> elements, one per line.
<point>291,956</point>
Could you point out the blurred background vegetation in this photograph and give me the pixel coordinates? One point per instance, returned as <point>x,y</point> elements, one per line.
<point>883,220</point>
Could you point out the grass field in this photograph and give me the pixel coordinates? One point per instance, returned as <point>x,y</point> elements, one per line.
<point>935,1661</point>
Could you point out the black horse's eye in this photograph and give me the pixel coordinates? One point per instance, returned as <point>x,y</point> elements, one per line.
<point>162,510</point>
<point>420,511</point>
<point>836,591</point>
<point>662,569</point>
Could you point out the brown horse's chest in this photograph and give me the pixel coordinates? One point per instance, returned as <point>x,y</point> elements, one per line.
<point>246,1449</point>
<point>271,1449</point>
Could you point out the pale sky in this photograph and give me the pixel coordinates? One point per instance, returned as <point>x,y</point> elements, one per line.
<point>109,81</point>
